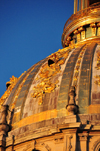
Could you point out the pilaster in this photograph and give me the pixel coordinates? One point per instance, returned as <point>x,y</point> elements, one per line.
<point>83,141</point>
<point>70,139</point>
<point>93,27</point>
<point>98,25</point>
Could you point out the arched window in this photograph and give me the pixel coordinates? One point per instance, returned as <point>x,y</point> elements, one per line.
<point>96,145</point>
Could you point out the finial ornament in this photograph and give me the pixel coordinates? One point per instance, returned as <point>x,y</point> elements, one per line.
<point>72,108</point>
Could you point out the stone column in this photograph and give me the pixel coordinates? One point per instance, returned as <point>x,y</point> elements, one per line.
<point>79,32</point>
<point>86,3</point>
<point>79,4</point>
<point>83,141</point>
<point>83,4</point>
<point>4,127</point>
<point>75,6</point>
<point>83,34</point>
<point>75,33</point>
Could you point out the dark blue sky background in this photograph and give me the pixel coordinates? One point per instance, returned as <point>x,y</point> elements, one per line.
<point>30,30</point>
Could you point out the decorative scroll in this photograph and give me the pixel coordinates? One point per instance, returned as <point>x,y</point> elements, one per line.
<point>10,85</point>
<point>45,78</point>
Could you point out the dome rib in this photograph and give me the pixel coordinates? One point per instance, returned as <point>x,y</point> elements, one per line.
<point>85,79</point>
<point>24,91</point>
<point>67,80</point>
<point>13,92</point>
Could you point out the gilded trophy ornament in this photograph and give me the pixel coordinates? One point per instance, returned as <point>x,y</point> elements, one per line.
<point>49,70</point>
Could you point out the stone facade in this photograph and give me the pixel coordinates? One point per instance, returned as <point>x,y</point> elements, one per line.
<point>70,136</point>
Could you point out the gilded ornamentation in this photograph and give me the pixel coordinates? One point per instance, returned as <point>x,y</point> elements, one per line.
<point>98,61</point>
<point>77,67</point>
<point>98,68</point>
<point>11,83</point>
<point>98,80</point>
<point>45,78</point>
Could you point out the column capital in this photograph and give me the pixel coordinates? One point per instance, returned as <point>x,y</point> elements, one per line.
<point>83,136</point>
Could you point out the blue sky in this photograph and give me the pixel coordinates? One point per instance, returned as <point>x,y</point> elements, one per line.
<point>30,30</point>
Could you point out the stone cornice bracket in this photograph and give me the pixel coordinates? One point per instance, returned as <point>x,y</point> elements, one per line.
<point>72,108</point>
<point>4,127</point>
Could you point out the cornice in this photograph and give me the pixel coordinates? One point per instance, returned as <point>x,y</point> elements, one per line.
<point>82,18</point>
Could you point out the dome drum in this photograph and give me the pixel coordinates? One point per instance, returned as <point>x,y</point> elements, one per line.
<point>81,28</point>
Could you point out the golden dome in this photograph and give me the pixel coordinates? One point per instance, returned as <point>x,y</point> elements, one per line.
<point>65,83</point>
<point>43,92</point>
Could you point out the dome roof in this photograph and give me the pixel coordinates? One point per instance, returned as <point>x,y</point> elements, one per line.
<point>42,92</point>
<point>65,83</point>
